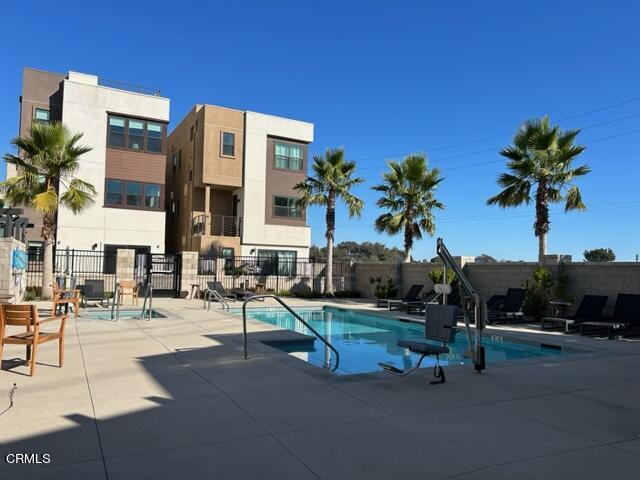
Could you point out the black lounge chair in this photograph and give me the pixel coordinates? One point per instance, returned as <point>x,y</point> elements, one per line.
<point>93,291</point>
<point>589,310</point>
<point>411,296</point>
<point>219,289</point>
<point>440,325</point>
<point>625,320</point>
<point>507,309</point>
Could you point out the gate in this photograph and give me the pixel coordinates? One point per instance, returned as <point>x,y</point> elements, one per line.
<point>163,274</point>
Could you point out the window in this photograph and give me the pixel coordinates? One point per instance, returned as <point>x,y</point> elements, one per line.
<point>174,161</point>
<point>227,253</point>
<point>154,137</point>
<point>135,134</point>
<point>41,115</point>
<point>288,156</point>
<point>152,195</point>
<point>286,207</point>
<point>113,195</point>
<point>134,194</point>
<point>228,144</point>
<point>116,132</point>
<point>277,262</point>
<point>179,159</point>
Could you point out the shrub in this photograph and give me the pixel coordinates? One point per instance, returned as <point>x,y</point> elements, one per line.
<point>538,294</point>
<point>384,288</point>
<point>284,293</point>
<point>437,274</point>
<point>307,294</point>
<point>31,294</point>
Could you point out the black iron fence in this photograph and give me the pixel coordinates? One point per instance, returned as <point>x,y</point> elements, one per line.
<point>274,273</point>
<point>77,265</point>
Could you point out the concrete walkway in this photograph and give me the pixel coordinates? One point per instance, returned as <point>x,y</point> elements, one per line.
<point>173,398</point>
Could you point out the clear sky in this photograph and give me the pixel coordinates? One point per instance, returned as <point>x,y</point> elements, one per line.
<point>383,78</point>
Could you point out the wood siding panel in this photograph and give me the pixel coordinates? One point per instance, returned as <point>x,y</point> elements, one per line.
<point>280,183</point>
<point>135,166</point>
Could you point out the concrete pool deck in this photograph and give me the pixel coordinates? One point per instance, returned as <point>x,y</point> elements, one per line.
<point>173,398</point>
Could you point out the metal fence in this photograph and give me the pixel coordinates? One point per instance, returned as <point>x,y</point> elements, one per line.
<point>78,265</point>
<point>274,273</point>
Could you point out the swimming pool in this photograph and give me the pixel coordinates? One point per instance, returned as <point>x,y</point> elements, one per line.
<point>364,339</point>
<point>125,314</point>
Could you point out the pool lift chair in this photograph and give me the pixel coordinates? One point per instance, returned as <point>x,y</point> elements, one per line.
<point>441,321</point>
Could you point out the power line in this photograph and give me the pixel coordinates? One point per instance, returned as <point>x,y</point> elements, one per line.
<point>493,137</point>
<point>501,160</point>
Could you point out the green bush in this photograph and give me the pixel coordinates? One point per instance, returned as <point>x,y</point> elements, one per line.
<point>437,274</point>
<point>31,294</point>
<point>284,293</point>
<point>384,288</point>
<point>538,294</point>
<point>307,294</point>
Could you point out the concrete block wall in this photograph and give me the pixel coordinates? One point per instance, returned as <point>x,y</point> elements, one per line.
<point>363,271</point>
<point>12,281</point>
<point>189,272</point>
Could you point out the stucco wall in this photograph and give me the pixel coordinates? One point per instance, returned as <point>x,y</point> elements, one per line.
<point>253,195</point>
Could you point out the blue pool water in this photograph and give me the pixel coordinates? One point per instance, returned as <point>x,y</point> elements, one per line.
<point>363,340</point>
<point>125,314</point>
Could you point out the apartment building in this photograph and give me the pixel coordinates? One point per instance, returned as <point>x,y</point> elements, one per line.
<point>230,177</point>
<point>126,127</point>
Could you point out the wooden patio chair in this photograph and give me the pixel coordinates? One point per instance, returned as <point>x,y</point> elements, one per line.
<point>128,288</point>
<point>65,297</point>
<point>27,316</point>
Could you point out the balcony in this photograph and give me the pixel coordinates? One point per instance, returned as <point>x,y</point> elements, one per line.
<point>216,225</point>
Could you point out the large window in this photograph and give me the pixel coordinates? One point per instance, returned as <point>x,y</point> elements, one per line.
<point>134,194</point>
<point>152,195</point>
<point>116,131</point>
<point>277,262</point>
<point>125,194</point>
<point>135,134</point>
<point>228,144</point>
<point>286,207</point>
<point>41,115</point>
<point>113,193</point>
<point>288,156</point>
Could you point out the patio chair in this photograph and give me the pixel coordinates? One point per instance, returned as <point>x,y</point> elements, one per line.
<point>507,309</point>
<point>93,291</point>
<point>590,309</point>
<point>66,298</point>
<point>218,288</point>
<point>412,295</point>
<point>440,326</point>
<point>27,316</point>
<point>128,288</point>
<point>626,317</point>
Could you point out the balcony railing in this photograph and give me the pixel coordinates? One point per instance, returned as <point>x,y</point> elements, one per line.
<point>218,225</point>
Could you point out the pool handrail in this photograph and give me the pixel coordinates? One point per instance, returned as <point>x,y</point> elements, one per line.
<point>148,295</point>
<point>116,303</point>
<point>288,308</point>
<point>479,305</point>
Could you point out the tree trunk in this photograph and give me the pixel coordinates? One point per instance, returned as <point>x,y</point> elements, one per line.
<point>541,227</point>
<point>48,229</point>
<point>331,225</point>
<point>408,243</point>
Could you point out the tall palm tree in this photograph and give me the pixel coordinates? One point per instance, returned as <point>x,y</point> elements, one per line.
<point>332,181</point>
<point>408,192</point>
<point>541,156</point>
<point>46,163</point>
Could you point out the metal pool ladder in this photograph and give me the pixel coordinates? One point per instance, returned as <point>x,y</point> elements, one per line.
<point>298,317</point>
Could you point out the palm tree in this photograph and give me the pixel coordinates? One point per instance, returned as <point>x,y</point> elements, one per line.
<point>541,156</point>
<point>46,163</point>
<point>408,192</point>
<point>332,181</point>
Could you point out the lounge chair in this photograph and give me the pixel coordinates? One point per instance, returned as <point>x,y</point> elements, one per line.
<point>217,287</point>
<point>93,291</point>
<point>590,309</point>
<point>440,326</point>
<point>507,309</point>
<point>626,317</point>
<point>128,288</point>
<point>411,296</point>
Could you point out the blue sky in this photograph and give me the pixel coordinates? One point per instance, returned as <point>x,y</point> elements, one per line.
<point>382,79</point>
